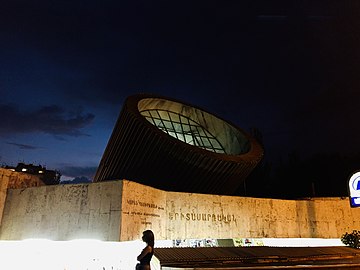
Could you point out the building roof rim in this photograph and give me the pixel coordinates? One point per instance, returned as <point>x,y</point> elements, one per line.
<point>255,149</point>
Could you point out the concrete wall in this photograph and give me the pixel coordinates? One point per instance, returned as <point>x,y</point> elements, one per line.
<point>63,212</point>
<point>121,210</point>
<point>142,208</point>
<point>10,179</point>
<point>189,215</point>
<point>204,216</point>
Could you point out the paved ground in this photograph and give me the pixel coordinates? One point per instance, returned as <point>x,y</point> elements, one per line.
<point>259,258</point>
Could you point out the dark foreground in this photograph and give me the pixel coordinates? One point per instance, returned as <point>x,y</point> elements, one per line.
<point>259,258</point>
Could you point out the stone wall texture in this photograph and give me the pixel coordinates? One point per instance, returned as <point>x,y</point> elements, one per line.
<point>121,210</point>
<point>199,216</point>
<point>10,179</point>
<point>63,212</point>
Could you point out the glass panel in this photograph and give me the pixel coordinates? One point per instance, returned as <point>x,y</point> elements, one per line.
<point>150,120</point>
<point>174,117</point>
<point>201,132</point>
<point>158,123</point>
<point>184,129</point>
<point>164,115</point>
<point>177,127</point>
<point>168,125</point>
<point>181,137</point>
<point>188,138</point>
<point>184,119</point>
<point>206,143</point>
<point>215,143</point>
<point>154,114</point>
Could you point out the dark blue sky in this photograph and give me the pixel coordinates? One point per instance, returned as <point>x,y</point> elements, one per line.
<point>288,68</point>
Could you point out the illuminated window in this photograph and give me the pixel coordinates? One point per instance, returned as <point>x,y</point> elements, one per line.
<point>183,129</point>
<point>23,169</point>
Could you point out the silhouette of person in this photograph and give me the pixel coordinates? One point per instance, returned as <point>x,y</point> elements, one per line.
<point>146,254</point>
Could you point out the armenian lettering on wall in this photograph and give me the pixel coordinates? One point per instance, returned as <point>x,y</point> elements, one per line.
<point>176,215</point>
<point>201,215</point>
<point>173,215</point>
<point>191,215</point>
<point>142,208</point>
<point>122,210</point>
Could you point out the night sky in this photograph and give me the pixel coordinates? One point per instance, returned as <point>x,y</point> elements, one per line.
<point>290,69</point>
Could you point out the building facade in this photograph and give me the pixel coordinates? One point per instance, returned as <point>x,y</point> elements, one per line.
<point>174,146</point>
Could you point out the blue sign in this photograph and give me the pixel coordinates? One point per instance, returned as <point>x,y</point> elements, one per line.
<point>354,189</point>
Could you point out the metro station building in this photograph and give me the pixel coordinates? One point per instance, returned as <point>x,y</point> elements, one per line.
<point>174,146</point>
<point>170,167</point>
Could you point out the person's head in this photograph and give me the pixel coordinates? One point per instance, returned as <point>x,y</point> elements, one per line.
<point>148,237</point>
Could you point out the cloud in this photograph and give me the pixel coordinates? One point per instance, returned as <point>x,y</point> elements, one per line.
<point>77,180</point>
<point>52,120</point>
<point>25,146</point>
<point>77,171</point>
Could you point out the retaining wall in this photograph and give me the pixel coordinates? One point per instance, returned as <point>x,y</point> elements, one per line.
<point>121,210</point>
<point>10,179</point>
<point>63,212</point>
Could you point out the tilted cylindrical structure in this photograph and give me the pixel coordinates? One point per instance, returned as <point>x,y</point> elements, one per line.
<point>174,146</point>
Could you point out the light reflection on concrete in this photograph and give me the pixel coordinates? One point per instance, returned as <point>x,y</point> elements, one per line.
<point>42,254</point>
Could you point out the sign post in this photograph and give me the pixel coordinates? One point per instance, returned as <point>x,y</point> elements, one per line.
<point>354,190</point>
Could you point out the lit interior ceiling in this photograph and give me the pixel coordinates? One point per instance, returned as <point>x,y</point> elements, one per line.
<point>184,129</point>
<point>194,126</point>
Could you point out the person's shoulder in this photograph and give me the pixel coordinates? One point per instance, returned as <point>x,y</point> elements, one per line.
<point>148,248</point>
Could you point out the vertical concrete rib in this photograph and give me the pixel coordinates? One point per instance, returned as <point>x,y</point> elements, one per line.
<point>139,151</point>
